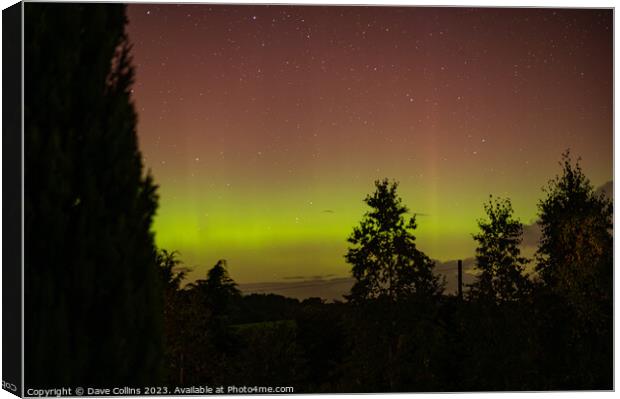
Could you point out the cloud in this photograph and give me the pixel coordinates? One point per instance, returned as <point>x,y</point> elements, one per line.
<point>294,278</point>
<point>420,214</point>
<point>531,235</point>
<point>317,277</point>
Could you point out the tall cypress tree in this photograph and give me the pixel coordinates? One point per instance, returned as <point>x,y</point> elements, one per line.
<point>92,297</point>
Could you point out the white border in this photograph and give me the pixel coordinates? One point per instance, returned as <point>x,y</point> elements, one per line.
<point>478,3</point>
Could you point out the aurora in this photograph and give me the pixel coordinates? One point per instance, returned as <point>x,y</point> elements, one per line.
<point>266,126</point>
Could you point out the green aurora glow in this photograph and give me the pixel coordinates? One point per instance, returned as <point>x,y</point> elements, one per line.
<point>265,127</point>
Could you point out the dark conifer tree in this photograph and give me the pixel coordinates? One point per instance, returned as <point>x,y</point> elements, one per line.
<point>395,292</point>
<point>218,292</point>
<point>386,262</point>
<point>92,294</point>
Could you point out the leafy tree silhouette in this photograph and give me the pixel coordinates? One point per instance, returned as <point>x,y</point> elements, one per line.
<point>498,257</point>
<point>171,274</point>
<point>575,256</point>
<point>386,262</point>
<point>496,321</point>
<point>175,313</point>
<point>93,301</point>
<point>574,300</point>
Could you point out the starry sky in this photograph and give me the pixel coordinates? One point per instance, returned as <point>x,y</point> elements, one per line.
<point>265,126</point>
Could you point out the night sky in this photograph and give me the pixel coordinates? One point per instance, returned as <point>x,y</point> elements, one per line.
<point>265,126</point>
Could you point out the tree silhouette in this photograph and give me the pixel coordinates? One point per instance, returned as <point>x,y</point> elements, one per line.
<point>219,289</point>
<point>171,274</point>
<point>498,257</point>
<point>496,321</point>
<point>386,262</point>
<point>575,261</point>
<point>393,290</point>
<point>93,301</point>
<point>207,340</point>
<point>218,279</point>
<point>575,255</point>
<point>175,311</point>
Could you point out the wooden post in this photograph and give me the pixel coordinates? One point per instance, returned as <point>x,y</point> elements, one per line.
<point>460,279</point>
<point>181,371</point>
